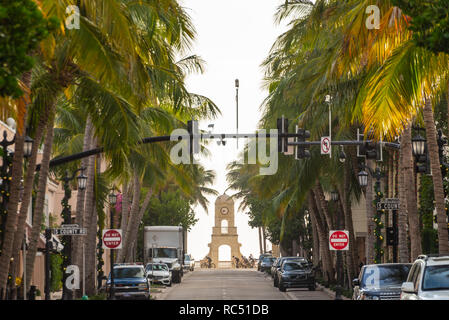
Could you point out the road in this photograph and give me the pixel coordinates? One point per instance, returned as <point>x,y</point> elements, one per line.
<point>233,284</point>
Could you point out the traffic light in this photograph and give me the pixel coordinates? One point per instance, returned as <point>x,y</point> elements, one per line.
<point>282,126</point>
<point>302,152</point>
<point>192,128</point>
<point>369,149</point>
<point>392,236</point>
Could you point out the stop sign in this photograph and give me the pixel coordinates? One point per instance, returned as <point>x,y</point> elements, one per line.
<point>338,240</point>
<point>112,239</point>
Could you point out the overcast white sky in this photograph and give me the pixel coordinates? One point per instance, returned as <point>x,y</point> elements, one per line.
<point>233,37</point>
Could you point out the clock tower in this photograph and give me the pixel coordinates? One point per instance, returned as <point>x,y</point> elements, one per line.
<point>224,233</point>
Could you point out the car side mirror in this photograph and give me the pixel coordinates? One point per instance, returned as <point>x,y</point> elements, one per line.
<point>408,287</point>
<point>356,282</point>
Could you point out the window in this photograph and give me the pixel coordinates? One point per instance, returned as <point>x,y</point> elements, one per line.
<point>385,276</point>
<point>122,273</point>
<point>436,278</point>
<point>224,226</point>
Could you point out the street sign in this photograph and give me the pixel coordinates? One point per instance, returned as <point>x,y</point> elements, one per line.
<point>70,231</point>
<point>325,145</point>
<point>338,240</point>
<point>389,204</point>
<point>112,239</point>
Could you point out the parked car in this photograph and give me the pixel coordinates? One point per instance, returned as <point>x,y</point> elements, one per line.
<point>159,273</point>
<point>294,274</point>
<point>282,260</point>
<point>259,261</point>
<point>380,281</point>
<point>274,266</point>
<point>266,264</point>
<point>189,263</point>
<point>130,281</point>
<point>428,279</point>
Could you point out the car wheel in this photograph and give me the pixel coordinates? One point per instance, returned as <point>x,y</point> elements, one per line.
<point>169,284</point>
<point>282,288</point>
<point>312,288</point>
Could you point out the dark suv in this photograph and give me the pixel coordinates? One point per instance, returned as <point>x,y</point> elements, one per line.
<point>381,281</point>
<point>295,274</point>
<point>276,267</point>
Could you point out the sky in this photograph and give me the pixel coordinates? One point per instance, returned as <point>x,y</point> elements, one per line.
<point>233,37</point>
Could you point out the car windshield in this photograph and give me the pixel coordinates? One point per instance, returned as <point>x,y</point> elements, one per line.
<point>157,267</point>
<point>186,257</point>
<point>293,266</point>
<point>436,278</point>
<point>133,272</point>
<point>385,276</point>
<point>162,252</point>
<point>268,260</point>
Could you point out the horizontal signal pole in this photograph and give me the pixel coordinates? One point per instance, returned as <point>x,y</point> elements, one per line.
<point>77,156</point>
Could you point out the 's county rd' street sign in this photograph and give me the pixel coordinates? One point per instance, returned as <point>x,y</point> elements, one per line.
<point>112,239</point>
<point>338,240</point>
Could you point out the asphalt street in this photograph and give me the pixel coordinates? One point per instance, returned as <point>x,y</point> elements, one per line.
<point>233,284</point>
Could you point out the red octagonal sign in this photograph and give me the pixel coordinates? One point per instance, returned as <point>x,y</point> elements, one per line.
<point>338,240</point>
<point>112,239</point>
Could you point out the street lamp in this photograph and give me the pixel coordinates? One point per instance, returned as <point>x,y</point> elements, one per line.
<point>363,178</point>
<point>334,195</point>
<point>418,145</point>
<point>27,147</point>
<point>342,156</point>
<point>82,181</point>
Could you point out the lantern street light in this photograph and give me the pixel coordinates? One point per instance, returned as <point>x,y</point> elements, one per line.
<point>363,178</point>
<point>418,145</point>
<point>334,195</point>
<point>27,147</point>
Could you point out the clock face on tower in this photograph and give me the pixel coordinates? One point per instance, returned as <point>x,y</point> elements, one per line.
<point>224,210</point>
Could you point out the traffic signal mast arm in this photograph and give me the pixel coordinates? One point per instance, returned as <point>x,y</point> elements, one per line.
<point>285,135</point>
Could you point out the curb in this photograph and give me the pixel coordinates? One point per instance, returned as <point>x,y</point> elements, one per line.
<point>329,292</point>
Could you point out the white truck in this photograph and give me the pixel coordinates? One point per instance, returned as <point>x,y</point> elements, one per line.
<point>165,244</point>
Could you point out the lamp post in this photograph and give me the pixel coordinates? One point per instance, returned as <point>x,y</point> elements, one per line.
<point>4,184</point>
<point>67,218</point>
<point>112,201</point>
<point>338,288</point>
<point>363,181</point>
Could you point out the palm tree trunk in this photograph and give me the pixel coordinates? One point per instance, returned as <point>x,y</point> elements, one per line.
<point>322,205</point>
<point>40,197</point>
<point>315,242</point>
<point>369,217</point>
<point>26,197</point>
<point>404,255</point>
<point>132,217</point>
<point>124,214</point>
<point>443,242</point>
<point>327,265</point>
<point>89,211</point>
<point>410,192</point>
<point>347,216</point>
<point>264,238</point>
<point>12,216</point>
<point>80,198</point>
<point>135,225</point>
<point>260,240</point>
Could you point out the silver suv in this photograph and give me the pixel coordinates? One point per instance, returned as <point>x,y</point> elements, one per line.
<point>428,279</point>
